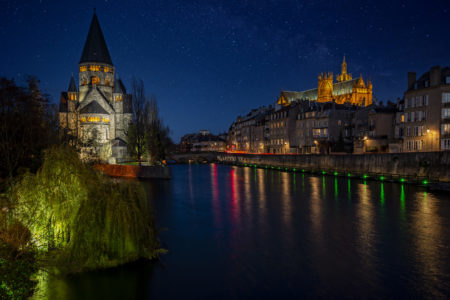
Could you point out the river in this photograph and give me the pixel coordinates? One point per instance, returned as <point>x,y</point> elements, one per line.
<point>241,232</point>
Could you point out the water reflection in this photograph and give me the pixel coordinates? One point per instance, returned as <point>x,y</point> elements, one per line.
<point>428,230</point>
<point>257,234</point>
<point>215,195</point>
<point>316,207</point>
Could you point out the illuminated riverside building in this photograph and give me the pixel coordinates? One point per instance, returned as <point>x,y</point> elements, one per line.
<point>98,112</point>
<point>345,90</point>
<point>426,119</point>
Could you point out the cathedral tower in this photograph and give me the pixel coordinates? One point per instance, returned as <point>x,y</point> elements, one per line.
<point>325,87</point>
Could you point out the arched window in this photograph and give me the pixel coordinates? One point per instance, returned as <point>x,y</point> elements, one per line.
<point>95,80</point>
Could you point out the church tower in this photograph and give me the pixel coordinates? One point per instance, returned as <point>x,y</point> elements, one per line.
<point>97,114</point>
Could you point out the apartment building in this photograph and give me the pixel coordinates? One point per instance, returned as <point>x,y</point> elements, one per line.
<point>427,111</point>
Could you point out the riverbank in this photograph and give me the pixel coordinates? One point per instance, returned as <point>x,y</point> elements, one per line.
<point>129,171</point>
<point>424,168</point>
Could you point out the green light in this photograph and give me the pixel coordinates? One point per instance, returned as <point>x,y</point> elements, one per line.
<point>402,179</point>
<point>245,164</point>
<point>285,169</point>
<point>279,168</point>
<point>381,178</point>
<point>266,167</point>
<point>323,172</point>
<point>365,176</point>
<point>303,170</point>
<point>272,167</point>
<point>335,173</point>
<point>425,182</point>
<point>348,174</point>
<point>294,169</point>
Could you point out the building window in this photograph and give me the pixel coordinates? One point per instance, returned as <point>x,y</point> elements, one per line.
<point>445,129</point>
<point>408,131</point>
<point>118,97</point>
<point>445,113</point>
<point>402,118</point>
<point>445,144</point>
<point>95,80</point>
<point>83,68</point>
<point>427,83</point>
<point>72,96</point>
<point>425,100</point>
<point>445,97</point>
<point>94,68</point>
<point>107,81</point>
<point>447,79</point>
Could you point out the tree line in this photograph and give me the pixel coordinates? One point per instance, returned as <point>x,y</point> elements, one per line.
<point>29,124</point>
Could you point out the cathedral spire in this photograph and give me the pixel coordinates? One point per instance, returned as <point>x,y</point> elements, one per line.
<point>95,49</point>
<point>344,66</point>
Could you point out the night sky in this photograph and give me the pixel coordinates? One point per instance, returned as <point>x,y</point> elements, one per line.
<point>209,61</point>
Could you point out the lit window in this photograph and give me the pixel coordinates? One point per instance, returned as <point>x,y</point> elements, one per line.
<point>118,97</point>
<point>94,68</point>
<point>72,96</point>
<point>83,68</point>
<point>95,80</point>
<point>107,81</point>
<point>106,69</point>
<point>402,118</point>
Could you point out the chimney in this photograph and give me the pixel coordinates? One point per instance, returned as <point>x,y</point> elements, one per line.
<point>435,76</point>
<point>411,79</point>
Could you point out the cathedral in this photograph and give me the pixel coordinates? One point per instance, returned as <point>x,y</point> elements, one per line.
<point>344,90</point>
<point>97,112</point>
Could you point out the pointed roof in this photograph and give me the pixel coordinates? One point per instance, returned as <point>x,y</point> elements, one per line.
<point>93,108</point>
<point>95,49</point>
<point>119,87</point>
<point>72,85</point>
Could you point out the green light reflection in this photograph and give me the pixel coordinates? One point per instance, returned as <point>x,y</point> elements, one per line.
<point>382,194</point>
<point>335,188</point>
<point>402,199</point>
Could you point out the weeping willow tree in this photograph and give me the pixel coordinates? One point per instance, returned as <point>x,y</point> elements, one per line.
<point>83,219</point>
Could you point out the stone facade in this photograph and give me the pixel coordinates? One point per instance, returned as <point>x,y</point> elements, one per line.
<point>96,114</point>
<point>427,111</point>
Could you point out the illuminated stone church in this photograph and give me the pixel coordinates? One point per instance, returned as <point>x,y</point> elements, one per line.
<point>344,90</point>
<point>97,112</point>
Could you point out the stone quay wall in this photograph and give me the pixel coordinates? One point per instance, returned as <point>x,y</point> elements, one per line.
<point>433,166</point>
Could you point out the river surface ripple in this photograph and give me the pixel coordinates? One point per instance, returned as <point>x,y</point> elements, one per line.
<point>240,233</point>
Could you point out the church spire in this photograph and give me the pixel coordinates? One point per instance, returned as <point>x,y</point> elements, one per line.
<point>72,85</point>
<point>95,49</point>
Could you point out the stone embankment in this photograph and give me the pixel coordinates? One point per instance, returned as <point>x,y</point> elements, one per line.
<point>420,167</point>
<point>140,172</point>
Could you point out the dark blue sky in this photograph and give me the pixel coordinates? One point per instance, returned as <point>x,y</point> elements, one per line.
<point>209,61</point>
